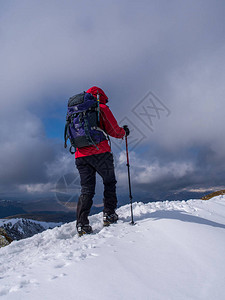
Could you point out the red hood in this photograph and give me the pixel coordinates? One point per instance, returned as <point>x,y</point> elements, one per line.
<point>95,90</point>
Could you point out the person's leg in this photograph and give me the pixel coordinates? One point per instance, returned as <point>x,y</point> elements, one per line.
<point>105,168</point>
<point>87,180</point>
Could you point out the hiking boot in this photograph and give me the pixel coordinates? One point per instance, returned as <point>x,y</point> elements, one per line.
<point>84,229</point>
<point>109,219</point>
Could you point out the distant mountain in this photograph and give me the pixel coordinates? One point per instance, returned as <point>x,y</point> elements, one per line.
<point>53,209</point>
<point>47,216</point>
<point>214,194</point>
<point>18,229</point>
<point>46,210</point>
<point>8,208</point>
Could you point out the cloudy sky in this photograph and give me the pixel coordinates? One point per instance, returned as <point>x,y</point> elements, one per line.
<point>162,65</point>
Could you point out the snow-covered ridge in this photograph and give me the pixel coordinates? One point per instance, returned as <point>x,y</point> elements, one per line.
<point>20,228</point>
<point>175,251</point>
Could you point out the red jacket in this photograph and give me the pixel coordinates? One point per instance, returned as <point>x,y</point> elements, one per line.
<point>107,122</point>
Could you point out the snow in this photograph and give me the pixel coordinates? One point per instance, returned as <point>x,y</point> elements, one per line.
<point>175,251</point>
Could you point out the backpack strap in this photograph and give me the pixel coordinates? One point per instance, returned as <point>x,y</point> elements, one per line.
<point>106,134</point>
<point>87,133</point>
<point>72,152</point>
<point>66,134</point>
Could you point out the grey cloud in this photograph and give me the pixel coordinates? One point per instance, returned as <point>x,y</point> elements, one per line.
<point>24,149</point>
<point>174,48</point>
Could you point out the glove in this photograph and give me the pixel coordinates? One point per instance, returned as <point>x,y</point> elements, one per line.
<point>127,130</point>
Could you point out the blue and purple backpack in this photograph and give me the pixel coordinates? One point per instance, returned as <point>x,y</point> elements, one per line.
<point>82,122</point>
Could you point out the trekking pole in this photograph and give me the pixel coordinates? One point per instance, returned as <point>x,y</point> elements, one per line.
<point>130,195</point>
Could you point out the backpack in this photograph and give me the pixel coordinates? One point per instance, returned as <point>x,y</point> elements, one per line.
<point>82,122</point>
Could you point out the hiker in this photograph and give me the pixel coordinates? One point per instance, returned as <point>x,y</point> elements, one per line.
<point>98,158</point>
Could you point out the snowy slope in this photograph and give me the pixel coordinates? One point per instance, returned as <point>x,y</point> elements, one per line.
<point>176,251</point>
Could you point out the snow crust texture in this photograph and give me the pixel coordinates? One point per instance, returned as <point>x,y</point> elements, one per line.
<point>175,251</point>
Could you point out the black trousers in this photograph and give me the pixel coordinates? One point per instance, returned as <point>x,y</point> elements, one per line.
<point>87,167</point>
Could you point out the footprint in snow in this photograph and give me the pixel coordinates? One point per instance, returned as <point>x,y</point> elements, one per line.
<point>60,265</point>
<point>23,284</point>
<point>4,291</point>
<point>58,276</point>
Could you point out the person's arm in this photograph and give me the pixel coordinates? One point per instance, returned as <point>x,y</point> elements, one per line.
<point>109,123</point>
